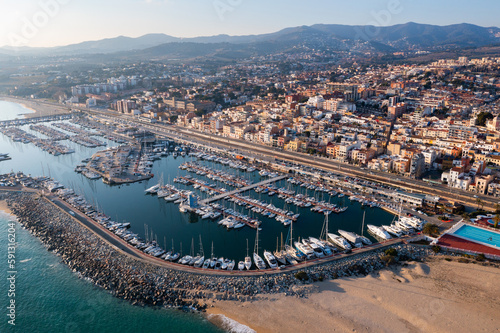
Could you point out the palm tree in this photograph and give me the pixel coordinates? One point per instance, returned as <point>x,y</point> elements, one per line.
<point>496,219</point>
<point>479,202</point>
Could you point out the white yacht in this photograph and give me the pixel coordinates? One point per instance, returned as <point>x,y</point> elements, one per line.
<point>153,189</point>
<point>318,252</point>
<point>326,249</point>
<point>339,241</point>
<point>351,237</point>
<point>304,249</point>
<point>172,197</point>
<point>378,231</point>
<point>405,227</point>
<point>392,230</point>
<point>271,260</point>
<point>414,222</point>
<point>199,262</point>
<point>185,260</point>
<point>258,261</point>
<point>248,263</point>
<point>241,265</point>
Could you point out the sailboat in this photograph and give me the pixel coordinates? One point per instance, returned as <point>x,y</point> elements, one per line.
<point>365,240</point>
<point>248,260</point>
<point>278,254</point>
<point>175,255</point>
<point>201,257</point>
<point>259,262</point>
<point>293,255</point>
<point>213,259</point>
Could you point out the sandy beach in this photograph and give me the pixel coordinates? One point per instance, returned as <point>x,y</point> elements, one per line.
<point>4,207</point>
<point>40,108</point>
<point>436,296</point>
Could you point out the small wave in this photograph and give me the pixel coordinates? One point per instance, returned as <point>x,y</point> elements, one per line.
<point>228,324</point>
<point>25,260</point>
<point>6,216</point>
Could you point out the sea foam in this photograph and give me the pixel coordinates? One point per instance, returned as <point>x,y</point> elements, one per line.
<point>229,324</point>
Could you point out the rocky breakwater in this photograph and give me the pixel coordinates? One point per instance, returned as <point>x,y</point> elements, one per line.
<point>148,284</point>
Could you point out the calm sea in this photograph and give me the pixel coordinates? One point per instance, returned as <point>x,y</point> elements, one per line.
<point>49,297</point>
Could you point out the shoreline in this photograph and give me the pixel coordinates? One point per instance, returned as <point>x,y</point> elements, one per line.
<point>40,108</point>
<point>4,207</point>
<point>439,294</point>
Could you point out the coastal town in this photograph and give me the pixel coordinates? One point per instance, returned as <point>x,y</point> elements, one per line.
<point>436,122</point>
<point>260,182</point>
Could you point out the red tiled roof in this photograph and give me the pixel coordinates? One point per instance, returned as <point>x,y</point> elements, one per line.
<point>460,243</point>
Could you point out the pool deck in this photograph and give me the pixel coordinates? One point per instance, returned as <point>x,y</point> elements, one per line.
<point>449,240</point>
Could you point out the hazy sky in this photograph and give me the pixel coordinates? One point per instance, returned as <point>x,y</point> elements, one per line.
<point>62,22</point>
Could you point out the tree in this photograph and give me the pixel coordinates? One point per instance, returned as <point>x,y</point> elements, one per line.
<point>482,118</point>
<point>479,202</point>
<point>302,276</point>
<point>430,229</point>
<point>176,94</point>
<point>391,252</point>
<point>496,219</point>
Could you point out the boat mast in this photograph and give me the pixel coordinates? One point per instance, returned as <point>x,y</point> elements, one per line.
<point>247,246</point>
<point>326,229</point>
<point>202,253</point>
<point>213,249</point>
<point>256,247</point>
<point>363,225</point>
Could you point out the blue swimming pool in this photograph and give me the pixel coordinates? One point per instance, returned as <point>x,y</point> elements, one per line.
<point>481,235</point>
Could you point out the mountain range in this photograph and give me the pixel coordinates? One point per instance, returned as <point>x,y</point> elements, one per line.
<point>401,37</point>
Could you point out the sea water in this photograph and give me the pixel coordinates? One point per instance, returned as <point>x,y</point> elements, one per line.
<point>49,297</point>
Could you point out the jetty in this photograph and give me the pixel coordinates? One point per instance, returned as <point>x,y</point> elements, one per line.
<point>241,190</point>
<point>34,120</point>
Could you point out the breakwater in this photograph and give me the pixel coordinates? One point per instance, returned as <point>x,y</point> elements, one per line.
<point>147,284</point>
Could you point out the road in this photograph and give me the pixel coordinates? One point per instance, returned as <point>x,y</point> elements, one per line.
<point>405,183</point>
<point>241,146</point>
<point>125,248</point>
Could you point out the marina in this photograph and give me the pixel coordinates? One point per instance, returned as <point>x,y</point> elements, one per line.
<point>242,196</point>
